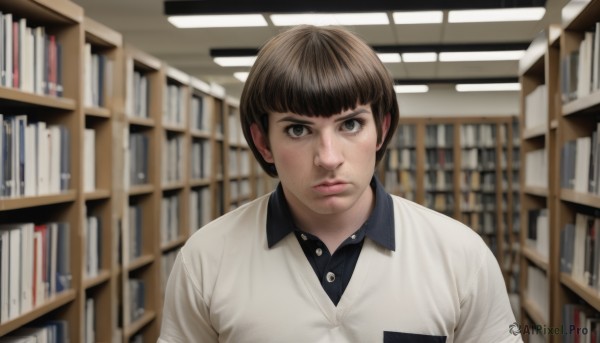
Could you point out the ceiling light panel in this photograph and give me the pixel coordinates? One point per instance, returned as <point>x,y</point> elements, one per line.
<point>497,15</point>
<point>420,17</point>
<point>322,19</point>
<point>237,61</point>
<point>411,89</point>
<point>221,20</point>
<point>469,56</point>
<point>241,75</point>
<point>488,87</point>
<point>419,57</point>
<point>393,57</point>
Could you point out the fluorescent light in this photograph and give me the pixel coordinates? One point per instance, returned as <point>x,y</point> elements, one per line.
<point>241,75</point>
<point>420,17</point>
<point>496,15</point>
<point>481,56</point>
<point>393,57</point>
<point>330,19</point>
<point>411,88</point>
<point>238,61</point>
<point>419,57</point>
<point>225,20</point>
<point>487,87</point>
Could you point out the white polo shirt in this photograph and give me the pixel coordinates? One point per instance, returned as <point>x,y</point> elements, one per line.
<point>441,284</point>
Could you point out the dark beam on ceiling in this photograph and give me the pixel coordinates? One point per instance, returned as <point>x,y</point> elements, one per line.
<point>183,7</point>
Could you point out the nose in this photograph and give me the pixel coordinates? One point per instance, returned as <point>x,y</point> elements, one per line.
<point>328,154</point>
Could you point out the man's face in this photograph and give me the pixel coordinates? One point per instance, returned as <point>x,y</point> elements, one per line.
<point>324,164</point>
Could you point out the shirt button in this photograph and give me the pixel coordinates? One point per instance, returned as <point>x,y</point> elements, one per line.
<point>303,236</point>
<point>353,236</point>
<point>319,252</point>
<point>330,277</point>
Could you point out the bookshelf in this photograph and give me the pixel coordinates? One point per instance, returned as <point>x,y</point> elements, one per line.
<point>467,168</point>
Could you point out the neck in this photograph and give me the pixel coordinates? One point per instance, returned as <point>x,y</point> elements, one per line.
<point>333,229</point>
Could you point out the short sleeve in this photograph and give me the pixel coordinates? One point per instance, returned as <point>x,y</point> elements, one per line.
<point>185,316</point>
<point>485,312</point>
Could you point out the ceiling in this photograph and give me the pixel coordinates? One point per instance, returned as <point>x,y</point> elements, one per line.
<point>144,26</point>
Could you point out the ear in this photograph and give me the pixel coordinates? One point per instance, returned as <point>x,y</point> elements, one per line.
<point>261,142</point>
<point>385,127</point>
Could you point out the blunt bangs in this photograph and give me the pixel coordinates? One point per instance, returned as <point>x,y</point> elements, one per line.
<point>316,71</point>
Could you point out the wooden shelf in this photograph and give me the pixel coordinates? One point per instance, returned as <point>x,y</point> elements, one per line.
<point>533,311</point>
<point>17,96</point>
<point>141,189</point>
<point>200,134</point>
<point>590,295</point>
<point>588,103</point>
<point>146,122</point>
<point>199,182</point>
<point>52,304</point>
<point>100,112</point>
<point>579,198</point>
<point>537,191</point>
<point>139,262</point>
<point>98,194</point>
<point>174,128</point>
<point>102,277</point>
<point>36,201</point>
<point>173,244</point>
<point>534,132</point>
<point>136,326</point>
<point>173,186</point>
<point>535,257</point>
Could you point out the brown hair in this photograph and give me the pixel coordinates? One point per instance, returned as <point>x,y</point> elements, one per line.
<point>316,71</point>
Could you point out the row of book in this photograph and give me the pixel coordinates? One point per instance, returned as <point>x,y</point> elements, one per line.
<point>89,160</point>
<point>34,157</point>
<point>536,108</point>
<point>401,158</point>
<point>136,101</point>
<point>580,69</point>
<point>167,261</point>
<point>440,135</point>
<point>93,245</point>
<point>201,113</point>
<point>438,180</point>
<point>477,202</point>
<point>50,331</point>
<point>170,214</point>
<point>479,135</point>
<point>580,164</point>
<point>201,159</point>
<point>135,235</point>
<point>136,158</point>
<point>478,158</point>
<point>240,189</point>
<point>536,168</point>
<point>137,298</point>
<point>538,231</point>
<point>579,249</point>
<point>200,207</point>
<point>439,158</point>
<point>482,223</point>
<point>239,162</point>
<point>174,105</point>
<point>405,137</point>
<point>441,202</point>
<point>235,133</point>
<point>173,157</point>
<point>537,290</point>
<point>34,265</point>
<point>401,182</point>
<point>98,77</point>
<point>30,59</point>
<point>580,324</point>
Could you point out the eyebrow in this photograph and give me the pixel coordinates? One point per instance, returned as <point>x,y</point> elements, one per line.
<point>296,120</point>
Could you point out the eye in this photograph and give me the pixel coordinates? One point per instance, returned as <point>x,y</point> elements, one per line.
<point>296,131</point>
<point>352,125</point>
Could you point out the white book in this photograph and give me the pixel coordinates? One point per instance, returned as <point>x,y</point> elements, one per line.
<point>130,87</point>
<point>207,115</point>
<point>441,135</point>
<point>39,35</point>
<point>43,160</point>
<point>38,268</point>
<point>26,267</point>
<point>14,289</point>
<point>89,158</point>
<point>582,164</point>
<point>579,247</point>
<point>4,274</point>
<point>22,28</point>
<point>8,49</point>
<point>30,161</point>
<point>90,335</point>
<point>95,80</point>
<point>87,75</point>
<point>54,157</point>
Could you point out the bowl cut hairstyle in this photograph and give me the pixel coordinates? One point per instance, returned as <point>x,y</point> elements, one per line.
<point>316,71</point>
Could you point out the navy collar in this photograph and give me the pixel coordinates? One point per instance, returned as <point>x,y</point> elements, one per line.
<point>379,227</point>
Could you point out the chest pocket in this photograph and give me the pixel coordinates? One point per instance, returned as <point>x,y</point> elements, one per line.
<point>402,337</point>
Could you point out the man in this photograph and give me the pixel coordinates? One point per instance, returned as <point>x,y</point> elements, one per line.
<point>329,256</point>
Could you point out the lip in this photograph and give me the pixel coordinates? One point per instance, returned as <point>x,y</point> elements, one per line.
<point>331,187</point>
